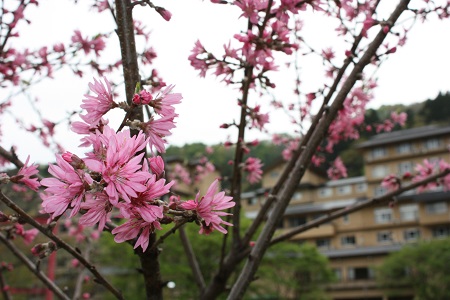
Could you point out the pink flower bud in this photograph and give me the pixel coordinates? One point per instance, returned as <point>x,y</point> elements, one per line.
<point>156,165</point>
<point>136,99</point>
<point>164,13</point>
<point>3,217</point>
<point>252,243</point>
<point>392,50</point>
<point>386,29</point>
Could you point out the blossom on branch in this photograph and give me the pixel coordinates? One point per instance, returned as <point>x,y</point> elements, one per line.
<point>97,106</point>
<point>66,190</point>
<point>24,176</point>
<point>253,167</point>
<point>208,209</point>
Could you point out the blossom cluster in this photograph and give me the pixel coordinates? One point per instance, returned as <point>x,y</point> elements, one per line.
<point>115,179</point>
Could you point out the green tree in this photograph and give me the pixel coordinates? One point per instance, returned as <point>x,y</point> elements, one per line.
<point>292,271</point>
<point>424,267</point>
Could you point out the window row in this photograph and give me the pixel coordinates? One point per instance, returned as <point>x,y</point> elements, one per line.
<point>406,148</point>
<point>409,212</point>
<point>409,235</point>
<point>355,273</point>
<point>325,192</point>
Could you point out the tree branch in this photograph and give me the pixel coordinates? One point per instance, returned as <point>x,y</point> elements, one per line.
<point>192,259</point>
<point>302,163</point>
<point>32,267</point>
<point>61,244</point>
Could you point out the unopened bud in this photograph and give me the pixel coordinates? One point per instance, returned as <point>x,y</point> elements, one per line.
<point>3,217</point>
<point>164,13</point>
<point>43,250</point>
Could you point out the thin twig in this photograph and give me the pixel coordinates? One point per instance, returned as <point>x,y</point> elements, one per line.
<point>32,267</point>
<point>192,259</point>
<point>167,234</point>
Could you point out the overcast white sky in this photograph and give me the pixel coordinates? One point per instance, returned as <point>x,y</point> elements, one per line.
<point>416,72</point>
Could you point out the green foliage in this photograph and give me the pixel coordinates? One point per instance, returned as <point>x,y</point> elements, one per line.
<point>292,271</point>
<point>120,265</point>
<point>424,268</point>
<point>437,110</point>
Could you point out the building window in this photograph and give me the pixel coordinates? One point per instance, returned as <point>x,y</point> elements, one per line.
<point>252,200</point>
<point>361,273</point>
<point>405,167</point>
<point>380,171</point>
<point>431,144</point>
<point>436,208</point>
<point>344,190</point>
<point>441,232</point>
<point>361,187</point>
<point>383,215</point>
<point>412,234</point>
<point>345,219</point>
<point>404,148</point>
<point>384,237</point>
<point>379,191</point>
<point>274,174</point>
<point>409,212</point>
<point>325,192</point>
<point>297,196</point>
<point>296,221</point>
<point>348,240</point>
<point>323,243</point>
<point>379,152</point>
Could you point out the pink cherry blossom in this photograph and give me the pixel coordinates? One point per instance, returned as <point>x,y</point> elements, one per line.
<point>391,182</point>
<point>64,191</point>
<point>209,207</point>
<point>157,130</point>
<point>25,173</point>
<point>337,169</point>
<point>163,103</point>
<point>253,167</point>
<point>423,171</point>
<point>97,106</point>
<point>134,227</point>
<point>97,208</point>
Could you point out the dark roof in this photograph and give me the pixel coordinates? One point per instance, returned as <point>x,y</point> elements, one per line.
<point>351,252</point>
<point>319,207</point>
<point>405,135</point>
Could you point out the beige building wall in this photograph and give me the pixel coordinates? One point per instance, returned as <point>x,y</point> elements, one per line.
<point>358,242</point>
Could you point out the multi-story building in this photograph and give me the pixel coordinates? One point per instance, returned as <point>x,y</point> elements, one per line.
<point>356,243</point>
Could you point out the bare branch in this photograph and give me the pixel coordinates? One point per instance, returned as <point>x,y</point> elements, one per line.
<point>32,267</point>
<point>192,259</point>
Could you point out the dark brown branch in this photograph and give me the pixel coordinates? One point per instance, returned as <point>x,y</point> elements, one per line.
<point>302,163</point>
<point>32,267</point>
<point>192,259</point>
<point>61,244</point>
<point>167,234</point>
